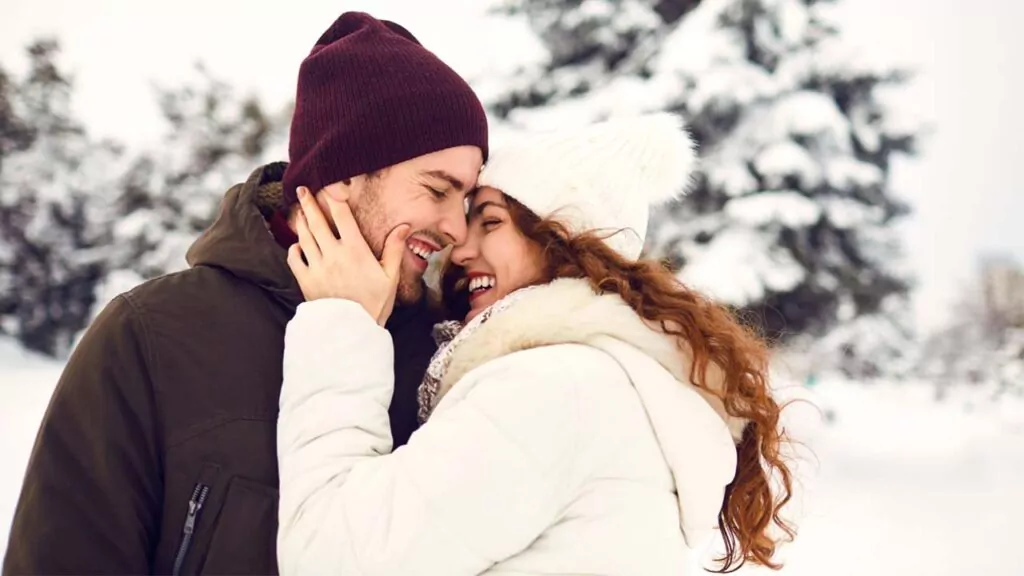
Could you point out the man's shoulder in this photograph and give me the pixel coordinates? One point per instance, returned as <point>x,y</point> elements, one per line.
<point>210,335</point>
<point>197,304</point>
<point>184,286</point>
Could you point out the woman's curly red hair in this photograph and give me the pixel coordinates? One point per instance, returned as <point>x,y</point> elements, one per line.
<point>750,522</point>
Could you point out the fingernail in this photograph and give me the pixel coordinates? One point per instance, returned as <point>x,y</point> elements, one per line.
<point>302,191</point>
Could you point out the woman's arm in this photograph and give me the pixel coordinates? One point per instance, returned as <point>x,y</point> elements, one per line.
<point>474,486</point>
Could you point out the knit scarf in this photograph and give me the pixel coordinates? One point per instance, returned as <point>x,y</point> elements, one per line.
<point>449,335</point>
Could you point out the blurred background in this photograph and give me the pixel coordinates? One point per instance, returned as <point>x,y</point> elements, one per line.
<point>860,204</point>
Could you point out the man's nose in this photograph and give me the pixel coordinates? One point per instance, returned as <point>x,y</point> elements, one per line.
<point>453,224</point>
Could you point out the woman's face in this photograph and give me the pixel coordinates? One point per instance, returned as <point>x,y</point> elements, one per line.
<point>496,257</point>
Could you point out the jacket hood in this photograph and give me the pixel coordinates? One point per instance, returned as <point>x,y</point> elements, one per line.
<point>691,424</point>
<point>240,242</point>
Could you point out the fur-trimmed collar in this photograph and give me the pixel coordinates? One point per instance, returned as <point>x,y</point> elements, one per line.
<point>568,311</point>
<point>269,194</point>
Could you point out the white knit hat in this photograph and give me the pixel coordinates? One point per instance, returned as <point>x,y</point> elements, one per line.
<point>603,177</point>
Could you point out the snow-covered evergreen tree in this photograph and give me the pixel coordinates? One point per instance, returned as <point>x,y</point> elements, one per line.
<point>791,221</point>
<point>170,195</point>
<point>54,207</point>
<point>81,220</point>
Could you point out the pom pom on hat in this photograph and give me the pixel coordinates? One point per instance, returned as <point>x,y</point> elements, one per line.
<point>603,177</point>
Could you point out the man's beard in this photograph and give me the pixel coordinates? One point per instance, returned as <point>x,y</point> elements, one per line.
<point>372,222</point>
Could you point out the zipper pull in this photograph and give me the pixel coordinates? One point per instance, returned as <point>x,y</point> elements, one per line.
<point>190,518</point>
<point>194,506</point>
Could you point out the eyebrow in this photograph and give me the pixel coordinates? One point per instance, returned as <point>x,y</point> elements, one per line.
<point>479,208</point>
<point>441,174</point>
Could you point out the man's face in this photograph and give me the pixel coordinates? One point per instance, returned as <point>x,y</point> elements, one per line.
<point>428,193</point>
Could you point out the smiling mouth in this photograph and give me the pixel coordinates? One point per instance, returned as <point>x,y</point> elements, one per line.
<point>480,285</point>
<point>421,249</point>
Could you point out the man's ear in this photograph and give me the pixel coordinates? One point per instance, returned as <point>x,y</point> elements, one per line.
<point>340,191</point>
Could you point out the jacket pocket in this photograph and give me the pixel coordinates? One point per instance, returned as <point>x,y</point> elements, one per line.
<point>244,540</point>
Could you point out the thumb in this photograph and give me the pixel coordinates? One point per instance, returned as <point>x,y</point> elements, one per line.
<point>394,249</point>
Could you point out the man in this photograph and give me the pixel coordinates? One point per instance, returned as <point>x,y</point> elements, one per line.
<point>157,452</point>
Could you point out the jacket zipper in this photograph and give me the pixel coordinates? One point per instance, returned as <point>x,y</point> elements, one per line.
<point>195,506</point>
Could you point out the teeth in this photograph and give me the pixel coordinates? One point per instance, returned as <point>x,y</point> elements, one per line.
<point>481,282</point>
<point>420,250</point>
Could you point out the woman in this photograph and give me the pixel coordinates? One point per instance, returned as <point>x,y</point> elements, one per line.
<point>587,414</point>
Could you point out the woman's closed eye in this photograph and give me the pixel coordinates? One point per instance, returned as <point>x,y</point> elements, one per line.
<point>490,223</point>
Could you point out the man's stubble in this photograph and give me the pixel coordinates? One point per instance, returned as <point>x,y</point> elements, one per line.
<point>371,218</point>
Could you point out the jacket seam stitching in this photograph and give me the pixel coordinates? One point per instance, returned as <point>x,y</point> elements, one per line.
<point>214,424</point>
<point>139,321</point>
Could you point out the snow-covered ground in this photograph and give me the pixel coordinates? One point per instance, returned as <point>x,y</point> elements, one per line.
<point>900,484</point>
<point>26,382</point>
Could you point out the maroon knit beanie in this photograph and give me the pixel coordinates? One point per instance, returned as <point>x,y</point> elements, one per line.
<point>370,96</point>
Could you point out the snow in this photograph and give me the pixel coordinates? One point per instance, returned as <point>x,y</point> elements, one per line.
<point>794,20</point>
<point>789,208</point>
<point>595,9</point>
<point>739,265</point>
<point>846,173</point>
<point>846,213</point>
<point>777,151</point>
<point>868,132</point>
<point>690,47</point>
<point>807,113</point>
<point>621,15</point>
<point>732,178</point>
<point>896,484</point>
<point>26,382</point>
<point>768,126</point>
<point>134,224</point>
<point>911,486</point>
<point>899,472</point>
<point>737,84</point>
<point>785,159</point>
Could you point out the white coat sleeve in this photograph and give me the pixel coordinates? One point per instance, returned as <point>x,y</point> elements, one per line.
<point>475,485</point>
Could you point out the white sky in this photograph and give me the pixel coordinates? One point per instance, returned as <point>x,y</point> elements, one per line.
<point>964,190</point>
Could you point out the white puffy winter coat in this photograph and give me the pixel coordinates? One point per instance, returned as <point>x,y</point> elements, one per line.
<point>567,442</point>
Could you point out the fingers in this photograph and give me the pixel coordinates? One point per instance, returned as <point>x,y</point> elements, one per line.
<point>295,259</point>
<point>394,250</point>
<point>299,268</point>
<point>344,220</point>
<point>307,243</point>
<point>391,263</point>
<point>318,226</point>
